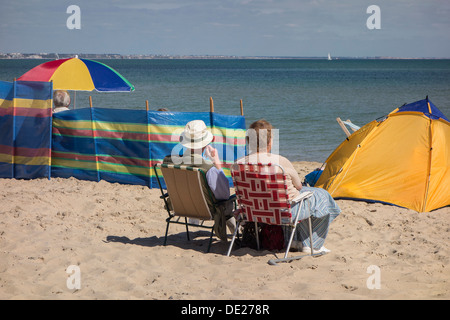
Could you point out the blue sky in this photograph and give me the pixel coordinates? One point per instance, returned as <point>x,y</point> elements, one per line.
<point>409,28</point>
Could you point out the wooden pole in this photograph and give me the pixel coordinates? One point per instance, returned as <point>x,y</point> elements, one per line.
<point>13,142</point>
<point>94,135</point>
<point>149,149</point>
<point>344,128</point>
<point>242,108</point>
<point>211,104</point>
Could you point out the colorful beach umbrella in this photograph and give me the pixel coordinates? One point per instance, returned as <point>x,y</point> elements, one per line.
<point>79,74</point>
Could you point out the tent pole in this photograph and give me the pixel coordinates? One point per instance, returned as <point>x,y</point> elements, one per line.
<point>429,165</point>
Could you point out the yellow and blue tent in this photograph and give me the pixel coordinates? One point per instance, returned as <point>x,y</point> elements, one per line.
<point>401,159</point>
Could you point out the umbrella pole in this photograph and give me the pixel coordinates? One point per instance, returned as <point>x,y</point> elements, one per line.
<point>242,108</point>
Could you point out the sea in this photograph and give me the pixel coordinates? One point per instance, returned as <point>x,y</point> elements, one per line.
<point>300,97</point>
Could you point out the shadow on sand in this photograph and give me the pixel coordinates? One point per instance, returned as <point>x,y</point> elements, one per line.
<point>198,241</point>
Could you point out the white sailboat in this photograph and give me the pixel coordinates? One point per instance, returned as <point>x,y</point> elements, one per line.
<point>329,56</point>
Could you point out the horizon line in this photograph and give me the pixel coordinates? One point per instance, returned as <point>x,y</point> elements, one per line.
<point>34,55</point>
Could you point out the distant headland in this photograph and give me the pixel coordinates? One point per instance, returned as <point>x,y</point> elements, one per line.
<point>53,56</point>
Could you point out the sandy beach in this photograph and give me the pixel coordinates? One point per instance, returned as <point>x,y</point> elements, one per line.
<point>114,234</point>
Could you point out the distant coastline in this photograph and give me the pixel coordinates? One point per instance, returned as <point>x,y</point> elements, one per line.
<point>53,56</point>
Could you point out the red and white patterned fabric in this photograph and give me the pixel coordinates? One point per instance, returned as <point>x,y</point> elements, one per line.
<point>261,191</point>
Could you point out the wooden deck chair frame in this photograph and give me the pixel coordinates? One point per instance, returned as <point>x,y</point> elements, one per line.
<point>187,199</point>
<point>351,125</point>
<point>271,200</point>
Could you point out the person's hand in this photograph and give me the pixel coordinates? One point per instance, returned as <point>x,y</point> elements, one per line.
<point>212,153</point>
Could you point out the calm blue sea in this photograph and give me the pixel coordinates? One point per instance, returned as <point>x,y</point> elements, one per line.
<point>302,98</point>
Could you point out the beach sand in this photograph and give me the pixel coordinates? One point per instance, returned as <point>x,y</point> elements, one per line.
<point>114,234</point>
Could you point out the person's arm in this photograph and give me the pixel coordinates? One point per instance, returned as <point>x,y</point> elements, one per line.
<point>290,170</point>
<point>217,180</point>
<point>218,183</point>
<point>212,153</point>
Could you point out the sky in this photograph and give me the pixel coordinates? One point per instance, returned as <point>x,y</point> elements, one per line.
<point>300,28</point>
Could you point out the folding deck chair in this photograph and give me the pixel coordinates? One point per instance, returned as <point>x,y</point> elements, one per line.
<point>185,188</point>
<point>262,196</point>
<point>348,123</point>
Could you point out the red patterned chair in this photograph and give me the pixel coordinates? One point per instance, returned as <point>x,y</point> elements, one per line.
<point>262,196</point>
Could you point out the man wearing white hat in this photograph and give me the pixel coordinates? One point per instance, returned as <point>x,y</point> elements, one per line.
<point>196,139</point>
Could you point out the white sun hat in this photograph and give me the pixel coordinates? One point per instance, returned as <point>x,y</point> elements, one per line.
<point>195,135</point>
